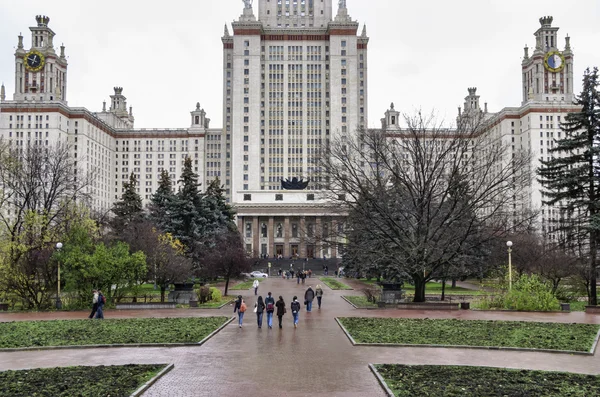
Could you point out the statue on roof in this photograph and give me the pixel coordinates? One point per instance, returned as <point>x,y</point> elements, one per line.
<point>247,3</point>
<point>294,184</point>
<point>342,3</point>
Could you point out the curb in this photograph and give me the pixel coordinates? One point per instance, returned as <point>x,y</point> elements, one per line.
<point>152,381</point>
<point>213,308</point>
<point>357,307</point>
<point>133,345</point>
<point>518,349</point>
<point>381,381</point>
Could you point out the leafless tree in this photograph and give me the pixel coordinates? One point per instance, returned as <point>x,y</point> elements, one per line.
<point>422,197</point>
<point>39,186</point>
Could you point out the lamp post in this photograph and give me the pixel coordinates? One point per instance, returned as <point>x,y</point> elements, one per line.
<point>58,301</point>
<point>509,245</point>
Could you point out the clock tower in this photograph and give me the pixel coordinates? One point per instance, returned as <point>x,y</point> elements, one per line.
<point>40,73</point>
<point>548,73</point>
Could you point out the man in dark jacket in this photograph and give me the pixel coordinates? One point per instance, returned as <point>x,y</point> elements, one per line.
<point>270,304</point>
<point>309,296</point>
<point>99,312</point>
<point>280,310</point>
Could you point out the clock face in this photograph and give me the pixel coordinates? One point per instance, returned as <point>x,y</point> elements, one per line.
<point>34,61</point>
<point>554,61</point>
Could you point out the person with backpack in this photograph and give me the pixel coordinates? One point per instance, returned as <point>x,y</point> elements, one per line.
<point>270,302</point>
<point>94,304</point>
<point>101,302</point>
<point>240,308</point>
<point>309,296</point>
<point>319,294</point>
<point>295,306</point>
<point>281,310</point>
<point>259,309</point>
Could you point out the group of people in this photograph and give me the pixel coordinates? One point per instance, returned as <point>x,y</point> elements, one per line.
<point>278,308</point>
<point>301,275</point>
<point>98,301</point>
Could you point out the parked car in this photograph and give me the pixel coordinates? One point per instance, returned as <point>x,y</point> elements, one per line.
<point>257,274</point>
<point>245,275</point>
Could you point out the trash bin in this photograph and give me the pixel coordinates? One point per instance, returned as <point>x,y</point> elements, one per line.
<point>465,305</point>
<point>565,307</point>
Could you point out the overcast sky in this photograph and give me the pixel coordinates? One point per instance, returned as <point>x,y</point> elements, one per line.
<point>422,54</point>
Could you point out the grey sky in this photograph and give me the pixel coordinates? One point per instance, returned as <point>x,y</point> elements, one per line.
<point>422,54</point>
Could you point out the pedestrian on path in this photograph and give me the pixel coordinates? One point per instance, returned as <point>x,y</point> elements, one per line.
<point>319,294</point>
<point>299,276</point>
<point>101,301</point>
<point>94,303</point>
<point>309,296</point>
<point>270,303</point>
<point>295,306</point>
<point>281,310</point>
<point>255,285</point>
<point>303,277</point>
<point>240,308</point>
<point>259,309</point>
<point>291,273</point>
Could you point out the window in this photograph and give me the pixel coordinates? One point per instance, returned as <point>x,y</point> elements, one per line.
<point>310,197</point>
<point>247,197</point>
<point>279,197</point>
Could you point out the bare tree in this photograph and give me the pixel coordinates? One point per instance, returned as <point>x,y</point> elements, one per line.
<point>39,187</point>
<point>228,257</point>
<point>424,196</point>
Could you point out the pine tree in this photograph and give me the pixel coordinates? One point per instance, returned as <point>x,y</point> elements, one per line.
<point>161,201</point>
<point>129,208</point>
<point>570,178</point>
<point>216,204</point>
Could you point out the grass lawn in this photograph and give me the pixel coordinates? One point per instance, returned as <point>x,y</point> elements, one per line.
<point>455,381</point>
<point>360,301</point>
<point>115,381</point>
<point>211,305</point>
<point>20,334</point>
<point>334,283</point>
<point>244,285</point>
<point>529,335</point>
<point>431,288</point>
<point>578,306</point>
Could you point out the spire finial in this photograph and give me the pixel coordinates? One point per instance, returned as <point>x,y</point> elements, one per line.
<point>226,31</point>
<point>364,31</point>
<point>2,93</point>
<point>20,41</point>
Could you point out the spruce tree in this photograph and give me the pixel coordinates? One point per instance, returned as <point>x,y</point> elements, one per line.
<point>223,214</point>
<point>160,202</point>
<point>129,208</point>
<point>570,177</point>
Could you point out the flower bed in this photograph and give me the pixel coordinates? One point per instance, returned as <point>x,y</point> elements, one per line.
<point>115,381</point>
<point>333,283</point>
<point>435,380</point>
<point>477,333</point>
<point>22,334</point>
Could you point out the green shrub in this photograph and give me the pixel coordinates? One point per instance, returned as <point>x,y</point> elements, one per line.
<point>531,293</point>
<point>215,294</point>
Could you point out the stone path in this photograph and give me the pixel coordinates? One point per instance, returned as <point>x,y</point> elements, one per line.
<point>315,358</point>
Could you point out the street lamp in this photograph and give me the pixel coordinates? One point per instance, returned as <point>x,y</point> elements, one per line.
<point>509,245</point>
<point>58,301</point>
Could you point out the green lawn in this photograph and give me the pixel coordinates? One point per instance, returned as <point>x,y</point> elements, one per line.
<point>462,381</point>
<point>114,381</point>
<point>20,334</point>
<point>432,288</point>
<point>529,335</point>
<point>360,301</point>
<point>244,285</point>
<point>334,283</point>
<point>212,305</point>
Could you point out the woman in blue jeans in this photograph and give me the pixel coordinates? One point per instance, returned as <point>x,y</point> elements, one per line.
<point>260,309</point>
<point>295,310</point>
<point>240,308</point>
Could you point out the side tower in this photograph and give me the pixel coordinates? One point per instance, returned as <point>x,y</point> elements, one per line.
<point>548,73</point>
<point>40,74</point>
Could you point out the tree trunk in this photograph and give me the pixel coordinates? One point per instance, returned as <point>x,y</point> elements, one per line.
<point>226,285</point>
<point>419,290</point>
<point>162,293</point>
<point>443,289</point>
<point>453,283</point>
<point>593,265</point>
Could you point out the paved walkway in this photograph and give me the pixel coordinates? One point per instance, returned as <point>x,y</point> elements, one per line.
<point>315,358</point>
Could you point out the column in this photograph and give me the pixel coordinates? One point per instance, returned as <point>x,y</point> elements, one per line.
<point>240,222</point>
<point>286,237</point>
<point>302,231</point>
<point>255,237</point>
<point>318,238</point>
<point>271,234</point>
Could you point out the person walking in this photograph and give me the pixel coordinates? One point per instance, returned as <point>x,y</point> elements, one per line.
<point>270,303</point>
<point>94,303</point>
<point>101,301</point>
<point>255,285</point>
<point>295,306</point>
<point>240,308</point>
<point>319,295</point>
<point>309,296</point>
<point>303,277</point>
<point>291,273</point>
<point>299,276</point>
<point>281,310</point>
<point>259,309</point>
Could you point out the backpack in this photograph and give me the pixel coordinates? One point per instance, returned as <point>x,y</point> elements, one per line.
<point>295,307</point>
<point>270,307</point>
<point>243,307</point>
<point>103,299</point>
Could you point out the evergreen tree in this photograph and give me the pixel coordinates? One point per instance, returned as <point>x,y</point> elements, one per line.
<point>570,177</point>
<point>129,208</point>
<point>160,202</point>
<point>223,214</point>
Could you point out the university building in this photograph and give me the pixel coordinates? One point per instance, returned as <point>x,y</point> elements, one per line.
<point>294,76</point>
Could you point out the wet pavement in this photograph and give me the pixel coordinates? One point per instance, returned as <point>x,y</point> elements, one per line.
<point>314,358</point>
